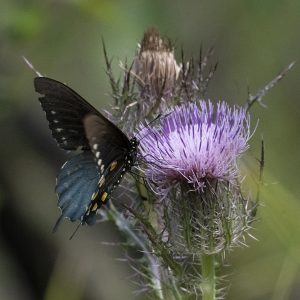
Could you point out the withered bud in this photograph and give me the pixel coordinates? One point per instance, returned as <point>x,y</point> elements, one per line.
<point>155,65</point>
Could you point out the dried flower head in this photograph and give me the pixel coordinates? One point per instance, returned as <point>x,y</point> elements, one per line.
<point>195,144</point>
<point>155,65</point>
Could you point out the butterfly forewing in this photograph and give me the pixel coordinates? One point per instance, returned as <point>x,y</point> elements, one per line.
<point>65,110</point>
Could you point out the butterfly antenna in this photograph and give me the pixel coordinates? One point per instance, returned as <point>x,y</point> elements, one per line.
<point>73,234</point>
<point>152,121</point>
<point>147,125</point>
<point>155,119</point>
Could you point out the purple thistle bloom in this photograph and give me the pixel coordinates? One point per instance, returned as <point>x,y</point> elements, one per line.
<point>195,144</point>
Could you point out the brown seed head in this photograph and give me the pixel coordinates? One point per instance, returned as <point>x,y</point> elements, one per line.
<point>155,65</point>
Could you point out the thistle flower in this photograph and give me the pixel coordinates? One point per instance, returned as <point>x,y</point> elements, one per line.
<point>155,65</point>
<point>194,145</point>
<point>192,168</point>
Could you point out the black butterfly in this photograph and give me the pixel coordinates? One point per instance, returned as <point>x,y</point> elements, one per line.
<point>87,180</point>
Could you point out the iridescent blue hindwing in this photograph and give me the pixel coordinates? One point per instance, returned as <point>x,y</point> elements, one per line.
<point>76,183</point>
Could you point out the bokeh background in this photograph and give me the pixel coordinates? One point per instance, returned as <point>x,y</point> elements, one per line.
<point>254,40</point>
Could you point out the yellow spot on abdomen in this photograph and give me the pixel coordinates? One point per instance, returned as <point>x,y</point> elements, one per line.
<point>113,165</point>
<point>104,196</point>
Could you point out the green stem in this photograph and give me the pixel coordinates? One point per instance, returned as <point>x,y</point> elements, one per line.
<point>208,285</point>
<point>157,244</point>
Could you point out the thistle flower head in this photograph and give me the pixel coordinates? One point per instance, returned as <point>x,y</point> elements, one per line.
<point>192,166</point>
<point>155,65</point>
<point>195,144</point>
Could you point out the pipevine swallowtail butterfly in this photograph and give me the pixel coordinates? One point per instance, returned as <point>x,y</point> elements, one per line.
<point>87,180</point>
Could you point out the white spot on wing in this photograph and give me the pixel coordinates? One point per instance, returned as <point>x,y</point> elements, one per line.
<point>101,181</point>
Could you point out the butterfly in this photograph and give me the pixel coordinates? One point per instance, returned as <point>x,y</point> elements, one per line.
<point>87,180</point>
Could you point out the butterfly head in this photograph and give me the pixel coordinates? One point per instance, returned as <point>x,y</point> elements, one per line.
<point>134,143</point>
<point>133,150</point>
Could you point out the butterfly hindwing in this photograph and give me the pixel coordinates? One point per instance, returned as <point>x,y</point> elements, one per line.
<point>110,150</point>
<point>77,181</point>
<point>108,181</point>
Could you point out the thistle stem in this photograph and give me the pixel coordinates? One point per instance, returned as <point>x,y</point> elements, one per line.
<point>208,285</point>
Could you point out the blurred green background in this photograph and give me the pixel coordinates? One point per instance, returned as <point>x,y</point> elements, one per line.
<point>254,40</point>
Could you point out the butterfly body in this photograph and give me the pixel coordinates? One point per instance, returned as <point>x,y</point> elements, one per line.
<point>87,180</point>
